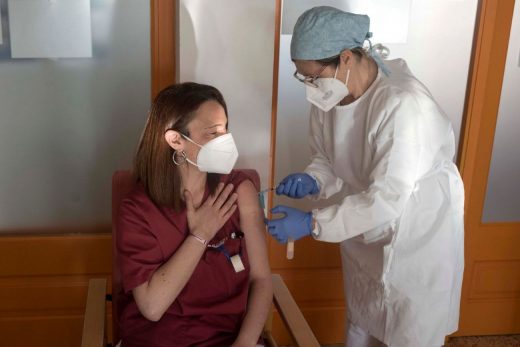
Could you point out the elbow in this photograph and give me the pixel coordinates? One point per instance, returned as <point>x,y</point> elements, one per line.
<point>151,313</point>
<point>151,304</point>
<point>149,309</point>
<point>153,318</point>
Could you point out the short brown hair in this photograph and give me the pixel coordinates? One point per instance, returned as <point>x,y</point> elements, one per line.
<point>173,109</point>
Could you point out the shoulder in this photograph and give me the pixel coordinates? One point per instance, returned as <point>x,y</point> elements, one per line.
<point>136,202</point>
<point>405,96</point>
<point>401,87</point>
<point>243,177</point>
<point>247,186</point>
<point>137,195</point>
<point>131,218</point>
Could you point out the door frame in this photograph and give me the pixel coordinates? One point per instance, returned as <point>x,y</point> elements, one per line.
<point>491,41</point>
<point>163,43</point>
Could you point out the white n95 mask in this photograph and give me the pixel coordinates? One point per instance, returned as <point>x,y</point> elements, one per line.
<point>329,92</point>
<point>216,156</point>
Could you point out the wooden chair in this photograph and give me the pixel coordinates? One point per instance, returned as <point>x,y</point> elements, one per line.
<point>94,331</point>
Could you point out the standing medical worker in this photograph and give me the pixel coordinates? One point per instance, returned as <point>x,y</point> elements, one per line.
<point>379,139</point>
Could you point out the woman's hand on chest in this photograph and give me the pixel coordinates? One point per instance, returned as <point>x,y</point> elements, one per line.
<point>204,221</point>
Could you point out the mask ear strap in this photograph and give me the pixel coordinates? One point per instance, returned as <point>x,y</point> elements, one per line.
<point>195,143</point>
<point>187,138</point>
<point>348,75</point>
<point>192,163</point>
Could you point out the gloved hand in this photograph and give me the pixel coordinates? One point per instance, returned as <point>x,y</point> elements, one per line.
<point>297,185</point>
<point>295,224</point>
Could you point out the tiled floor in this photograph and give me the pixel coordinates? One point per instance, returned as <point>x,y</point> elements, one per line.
<point>476,341</point>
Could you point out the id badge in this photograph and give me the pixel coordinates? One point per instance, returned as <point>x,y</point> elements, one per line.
<point>236,261</point>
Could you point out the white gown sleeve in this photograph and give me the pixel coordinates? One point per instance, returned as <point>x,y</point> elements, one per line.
<point>320,167</point>
<point>399,152</point>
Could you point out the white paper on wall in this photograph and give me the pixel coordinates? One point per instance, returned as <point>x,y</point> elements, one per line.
<point>388,19</point>
<point>50,28</point>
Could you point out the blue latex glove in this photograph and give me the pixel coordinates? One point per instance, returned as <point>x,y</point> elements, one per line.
<point>295,224</point>
<point>297,185</point>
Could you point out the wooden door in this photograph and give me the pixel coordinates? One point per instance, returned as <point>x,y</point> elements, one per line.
<point>491,289</point>
<point>163,31</point>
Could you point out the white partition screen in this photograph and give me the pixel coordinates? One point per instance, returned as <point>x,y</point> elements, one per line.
<point>230,44</point>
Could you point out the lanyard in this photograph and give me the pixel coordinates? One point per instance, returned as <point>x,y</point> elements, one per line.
<point>235,260</point>
<point>223,249</point>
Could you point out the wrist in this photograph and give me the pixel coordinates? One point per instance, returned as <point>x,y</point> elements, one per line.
<point>203,232</point>
<point>315,186</point>
<point>199,239</point>
<point>311,223</point>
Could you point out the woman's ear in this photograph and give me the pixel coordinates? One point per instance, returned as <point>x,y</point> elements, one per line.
<point>346,56</point>
<point>174,140</point>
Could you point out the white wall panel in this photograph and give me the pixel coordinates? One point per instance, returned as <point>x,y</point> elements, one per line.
<point>230,44</point>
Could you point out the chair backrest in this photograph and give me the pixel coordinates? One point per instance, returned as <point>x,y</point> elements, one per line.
<point>122,183</point>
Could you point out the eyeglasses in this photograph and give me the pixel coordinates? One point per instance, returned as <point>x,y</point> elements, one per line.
<point>309,80</point>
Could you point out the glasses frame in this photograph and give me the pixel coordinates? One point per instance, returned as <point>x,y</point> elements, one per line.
<point>309,80</point>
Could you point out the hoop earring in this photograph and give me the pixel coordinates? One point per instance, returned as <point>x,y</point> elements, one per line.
<point>182,155</point>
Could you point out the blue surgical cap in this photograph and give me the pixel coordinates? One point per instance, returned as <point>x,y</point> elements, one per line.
<point>323,32</point>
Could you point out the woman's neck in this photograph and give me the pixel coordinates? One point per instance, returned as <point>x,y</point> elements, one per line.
<point>193,180</point>
<point>362,75</point>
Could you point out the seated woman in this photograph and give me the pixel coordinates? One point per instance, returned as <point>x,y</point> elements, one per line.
<point>191,243</point>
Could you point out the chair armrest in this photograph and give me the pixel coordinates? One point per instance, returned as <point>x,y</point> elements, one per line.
<point>291,314</point>
<point>94,320</point>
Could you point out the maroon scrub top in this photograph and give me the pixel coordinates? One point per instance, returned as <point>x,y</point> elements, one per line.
<point>210,308</point>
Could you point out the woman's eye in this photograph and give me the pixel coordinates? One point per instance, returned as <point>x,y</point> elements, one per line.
<point>217,132</point>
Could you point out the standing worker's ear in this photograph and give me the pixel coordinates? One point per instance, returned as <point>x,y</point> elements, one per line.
<point>346,56</point>
<point>174,140</point>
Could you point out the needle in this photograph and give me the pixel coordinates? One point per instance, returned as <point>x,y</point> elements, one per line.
<point>266,190</point>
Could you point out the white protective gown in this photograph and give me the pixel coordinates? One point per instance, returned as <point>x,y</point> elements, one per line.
<point>400,222</point>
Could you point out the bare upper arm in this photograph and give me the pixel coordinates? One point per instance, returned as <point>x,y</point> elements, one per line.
<point>252,224</point>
